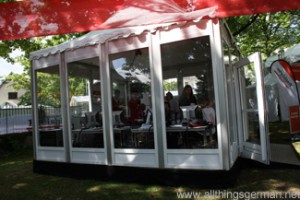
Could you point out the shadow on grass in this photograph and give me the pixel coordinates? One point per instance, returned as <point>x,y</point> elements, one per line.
<point>21,183</point>
<point>279,132</point>
<point>276,177</point>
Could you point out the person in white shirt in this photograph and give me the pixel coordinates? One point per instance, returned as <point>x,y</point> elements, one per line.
<point>208,112</point>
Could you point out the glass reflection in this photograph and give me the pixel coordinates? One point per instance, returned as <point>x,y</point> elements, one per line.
<point>253,133</point>
<point>189,94</point>
<point>249,104</point>
<point>85,103</point>
<point>49,107</point>
<point>131,101</point>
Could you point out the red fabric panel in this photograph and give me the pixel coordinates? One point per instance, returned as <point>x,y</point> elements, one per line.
<point>286,66</point>
<point>294,119</point>
<point>50,17</point>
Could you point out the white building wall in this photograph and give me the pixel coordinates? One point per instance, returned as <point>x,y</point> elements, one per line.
<point>5,88</point>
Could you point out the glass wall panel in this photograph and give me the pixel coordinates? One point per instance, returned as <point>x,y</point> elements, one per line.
<point>189,94</point>
<point>249,103</point>
<point>232,119</point>
<point>131,99</point>
<point>85,103</point>
<point>49,107</point>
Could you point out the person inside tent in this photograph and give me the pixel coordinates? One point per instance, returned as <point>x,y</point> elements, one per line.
<point>209,115</point>
<point>187,97</point>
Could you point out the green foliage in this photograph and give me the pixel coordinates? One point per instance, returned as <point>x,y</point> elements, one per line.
<point>14,142</point>
<point>170,85</point>
<point>22,81</point>
<point>48,89</point>
<point>42,114</point>
<point>4,1</point>
<point>265,32</point>
<point>202,87</point>
<point>77,86</point>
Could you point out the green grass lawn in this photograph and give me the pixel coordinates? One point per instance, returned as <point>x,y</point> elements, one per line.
<point>296,146</point>
<point>19,182</point>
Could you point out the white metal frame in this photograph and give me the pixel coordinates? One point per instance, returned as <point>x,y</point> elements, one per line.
<point>83,155</point>
<point>211,159</point>
<point>160,156</point>
<point>230,94</point>
<point>131,157</point>
<point>259,152</point>
<point>57,154</point>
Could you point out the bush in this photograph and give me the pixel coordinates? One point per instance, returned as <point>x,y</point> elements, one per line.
<point>15,142</point>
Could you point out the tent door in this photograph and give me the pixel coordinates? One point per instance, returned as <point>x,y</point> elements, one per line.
<point>252,119</point>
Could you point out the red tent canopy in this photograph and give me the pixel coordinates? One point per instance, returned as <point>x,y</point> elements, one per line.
<point>33,18</point>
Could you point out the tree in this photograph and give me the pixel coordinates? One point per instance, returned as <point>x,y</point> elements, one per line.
<point>22,81</point>
<point>202,87</point>
<point>170,85</point>
<point>265,32</point>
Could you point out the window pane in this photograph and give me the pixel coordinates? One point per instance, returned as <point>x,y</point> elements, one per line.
<point>131,102</point>
<point>230,78</point>
<point>85,103</point>
<point>49,107</point>
<point>12,95</point>
<point>189,101</point>
<point>252,133</point>
<point>249,104</point>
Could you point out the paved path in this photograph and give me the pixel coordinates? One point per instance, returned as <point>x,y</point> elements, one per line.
<point>284,153</point>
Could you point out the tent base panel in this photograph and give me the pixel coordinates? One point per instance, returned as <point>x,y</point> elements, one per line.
<point>211,179</point>
<point>170,177</point>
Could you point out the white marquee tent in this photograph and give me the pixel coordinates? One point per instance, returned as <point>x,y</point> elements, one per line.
<point>274,91</point>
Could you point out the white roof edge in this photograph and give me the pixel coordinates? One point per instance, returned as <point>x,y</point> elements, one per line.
<point>101,36</point>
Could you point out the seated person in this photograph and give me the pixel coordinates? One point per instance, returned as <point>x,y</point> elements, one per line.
<point>117,105</point>
<point>208,112</point>
<point>144,112</point>
<point>116,101</point>
<point>136,112</point>
<point>98,118</point>
<point>174,111</point>
<point>187,97</point>
<point>209,115</point>
<point>167,113</point>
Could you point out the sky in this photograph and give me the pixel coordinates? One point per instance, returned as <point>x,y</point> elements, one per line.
<point>6,68</point>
